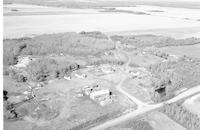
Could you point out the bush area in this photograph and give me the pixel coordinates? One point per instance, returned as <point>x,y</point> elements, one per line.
<point>137,124</point>
<point>94,34</point>
<point>174,75</point>
<point>153,40</point>
<point>67,43</point>
<point>44,69</point>
<point>106,61</point>
<point>180,114</point>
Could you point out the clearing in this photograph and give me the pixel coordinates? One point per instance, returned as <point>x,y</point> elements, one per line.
<point>190,50</point>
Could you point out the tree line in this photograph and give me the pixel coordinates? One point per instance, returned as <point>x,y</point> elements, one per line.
<point>180,114</point>
<point>153,40</point>
<point>82,44</point>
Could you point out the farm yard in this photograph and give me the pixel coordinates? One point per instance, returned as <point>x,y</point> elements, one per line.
<point>83,89</point>
<point>137,69</point>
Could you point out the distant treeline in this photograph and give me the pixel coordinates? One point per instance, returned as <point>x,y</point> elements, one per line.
<point>153,40</point>
<point>82,44</point>
<point>114,10</point>
<point>106,61</point>
<point>181,115</point>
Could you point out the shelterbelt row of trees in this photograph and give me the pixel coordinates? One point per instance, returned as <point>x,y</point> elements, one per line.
<point>174,75</point>
<point>180,114</point>
<point>81,44</point>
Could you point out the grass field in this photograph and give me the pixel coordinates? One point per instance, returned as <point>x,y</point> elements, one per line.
<point>133,87</point>
<point>144,60</point>
<point>191,51</point>
<point>151,121</point>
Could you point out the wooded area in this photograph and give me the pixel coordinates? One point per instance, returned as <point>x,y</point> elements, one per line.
<point>180,114</point>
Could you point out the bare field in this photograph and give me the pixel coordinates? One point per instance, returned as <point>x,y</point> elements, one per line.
<point>160,121</point>
<point>23,9</point>
<point>30,25</point>
<point>193,104</point>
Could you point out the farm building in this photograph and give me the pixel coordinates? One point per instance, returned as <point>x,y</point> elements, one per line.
<point>100,94</point>
<point>80,75</point>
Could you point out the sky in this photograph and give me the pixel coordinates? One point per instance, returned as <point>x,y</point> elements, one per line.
<point>156,0</point>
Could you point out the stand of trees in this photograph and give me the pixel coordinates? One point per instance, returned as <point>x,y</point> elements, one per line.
<point>94,34</point>
<point>106,61</point>
<point>82,44</point>
<point>174,75</point>
<point>182,115</point>
<point>153,40</point>
<point>44,69</point>
<point>165,86</point>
